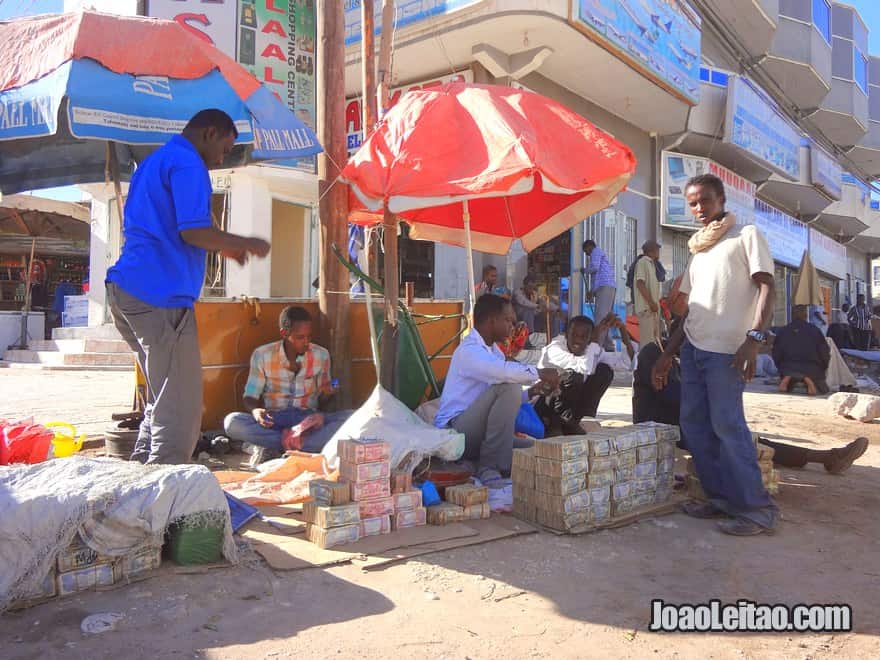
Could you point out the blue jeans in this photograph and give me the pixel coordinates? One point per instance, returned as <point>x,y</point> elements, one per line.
<point>243,427</point>
<point>713,421</point>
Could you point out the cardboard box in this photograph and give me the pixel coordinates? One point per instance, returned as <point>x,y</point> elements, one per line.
<point>375,526</point>
<point>467,494</point>
<point>401,481</point>
<point>476,511</point>
<point>551,468</point>
<point>524,459</point>
<point>644,470</point>
<point>562,448</point>
<point>370,490</point>
<point>143,560</point>
<point>407,501</point>
<point>560,485</point>
<point>411,518</point>
<point>564,504</point>
<point>599,479</point>
<point>363,451</point>
<point>622,491</point>
<point>364,471</point>
<point>79,555</point>
<point>329,493</point>
<point>525,510</point>
<point>328,538</point>
<point>381,506</point>
<point>444,513</point>
<point>563,522</point>
<point>330,516</point>
<point>646,453</point>
<point>100,575</point>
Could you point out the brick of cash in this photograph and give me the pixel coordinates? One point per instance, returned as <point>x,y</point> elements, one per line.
<point>625,459</point>
<point>621,491</point>
<point>644,470</point>
<point>330,537</point>
<point>401,481</point>
<point>370,490</point>
<point>563,522</point>
<point>365,471</point>
<point>600,495</point>
<point>666,466</point>
<point>665,479</point>
<point>622,507</point>
<point>525,510</point>
<point>665,450</point>
<point>381,506</point>
<point>625,473</point>
<point>375,526</point>
<point>565,503</point>
<point>411,518</point>
<point>560,485</point>
<point>645,435</point>
<point>562,448</point>
<point>467,494</point>
<point>330,516</point>
<point>597,479</point>
<point>522,492</point>
<point>646,453</point>
<point>550,468</point>
<point>329,493</point>
<point>407,501</point>
<point>663,432</point>
<point>600,511</point>
<point>363,451</point>
<point>600,445</point>
<point>524,459</point>
<point>645,485</point>
<point>625,439</point>
<point>522,477</point>
<point>643,498</point>
<point>445,513</point>
<point>602,463</point>
<point>479,511</point>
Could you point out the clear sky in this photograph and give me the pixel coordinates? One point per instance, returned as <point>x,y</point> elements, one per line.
<point>13,8</point>
<point>870,12</point>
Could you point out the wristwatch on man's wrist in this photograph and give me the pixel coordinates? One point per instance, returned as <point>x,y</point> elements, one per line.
<point>757,335</point>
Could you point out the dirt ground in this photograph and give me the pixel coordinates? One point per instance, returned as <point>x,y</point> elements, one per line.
<point>539,595</point>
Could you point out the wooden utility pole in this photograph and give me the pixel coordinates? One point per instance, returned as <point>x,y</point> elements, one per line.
<point>389,223</point>
<point>333,298</point>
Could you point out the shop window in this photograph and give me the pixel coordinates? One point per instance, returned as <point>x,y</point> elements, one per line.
<point>680,254</point>
<point>860,64</point>
<point>551,262</point>
<point>822,18</point>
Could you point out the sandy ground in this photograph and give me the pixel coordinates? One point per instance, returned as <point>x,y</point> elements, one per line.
<point>533,596</point>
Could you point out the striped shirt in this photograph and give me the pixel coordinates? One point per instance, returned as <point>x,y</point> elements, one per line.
<point>860,317</point>
<point>272,380</point>
<point>601,270</point>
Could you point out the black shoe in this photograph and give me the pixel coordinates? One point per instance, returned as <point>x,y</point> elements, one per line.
<point>842,458</point>
<point>703,510</point>
<point>742,527</point>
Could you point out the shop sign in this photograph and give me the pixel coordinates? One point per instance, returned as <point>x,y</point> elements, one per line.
<point>864,189</point>
<point>658,38</point>
<point>354,111</point>
<point>827,254</point>
<point>825,172</point>
<point>212,21</point>
<point>678,169</point>
<point>788,237</point>
<point>753,124</point>
<point>221,182</point>
<point>406,13</point>
<point>276,42</point>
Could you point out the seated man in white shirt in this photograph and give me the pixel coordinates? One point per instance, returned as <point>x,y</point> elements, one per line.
<point>483,391</point>
<point>586,373</point>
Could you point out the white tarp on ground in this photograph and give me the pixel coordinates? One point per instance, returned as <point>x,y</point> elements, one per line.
<point>384,417</point>
<point>115,505</point>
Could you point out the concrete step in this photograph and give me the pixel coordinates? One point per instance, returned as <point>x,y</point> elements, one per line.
<point>107,331</point>
<point>59,359</point>
<point>80,345</point>
<point>35,366</point>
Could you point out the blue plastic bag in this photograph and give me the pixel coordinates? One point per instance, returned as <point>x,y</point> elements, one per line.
<point>528,422</point>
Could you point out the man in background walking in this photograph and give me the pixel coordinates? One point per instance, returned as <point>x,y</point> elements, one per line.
<point>601,288</point>
<point>859,318</point>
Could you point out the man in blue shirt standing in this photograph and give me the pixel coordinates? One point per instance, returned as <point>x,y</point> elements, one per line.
<point>152,287</point>
<point>602,288</point>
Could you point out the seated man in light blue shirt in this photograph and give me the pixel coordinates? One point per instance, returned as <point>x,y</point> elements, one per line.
<point>483,391</point>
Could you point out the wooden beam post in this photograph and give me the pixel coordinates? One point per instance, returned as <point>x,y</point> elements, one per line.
<point>333,300</point>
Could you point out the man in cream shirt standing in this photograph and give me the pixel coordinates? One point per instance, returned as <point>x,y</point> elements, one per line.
<point>646,294</point>
<point>730,285</point>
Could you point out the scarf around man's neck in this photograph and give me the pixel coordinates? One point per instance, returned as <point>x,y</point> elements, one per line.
<point>709,235</point>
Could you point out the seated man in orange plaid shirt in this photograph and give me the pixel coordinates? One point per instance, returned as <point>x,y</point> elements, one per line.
<point>288,383</point>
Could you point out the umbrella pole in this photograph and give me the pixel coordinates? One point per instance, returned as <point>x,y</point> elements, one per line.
<point>371,322</point>
<point>472,295</point>
<point>392,285</point>
<point>113,165</point>
<point>22,339</point>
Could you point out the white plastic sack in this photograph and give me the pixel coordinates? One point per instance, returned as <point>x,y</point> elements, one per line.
<point>384,417</point>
